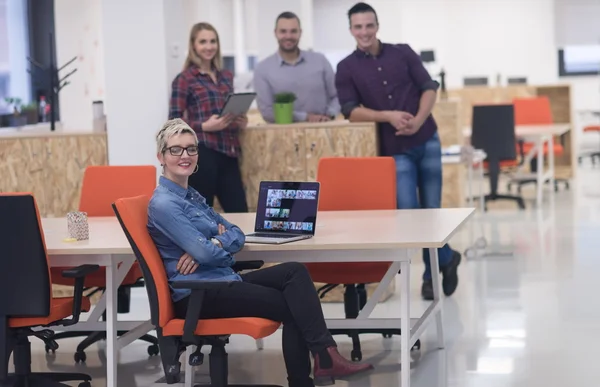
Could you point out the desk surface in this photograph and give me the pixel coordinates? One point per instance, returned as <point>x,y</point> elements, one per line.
<point>533,130</point>
<point>343,230</point>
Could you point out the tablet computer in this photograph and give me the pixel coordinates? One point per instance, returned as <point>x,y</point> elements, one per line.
<point>237,104</point>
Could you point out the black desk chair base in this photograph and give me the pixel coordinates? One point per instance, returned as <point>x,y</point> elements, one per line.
<point>95,336</point>
<point>172,347</point>
<point>91,337</point>
<point>592,156</point>
<point>23,377</point>
<point>493,197</point>
<point>355,299</point>
<point>521,182</point>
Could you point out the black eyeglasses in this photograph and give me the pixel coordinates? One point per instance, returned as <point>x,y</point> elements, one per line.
<point>191,150</point>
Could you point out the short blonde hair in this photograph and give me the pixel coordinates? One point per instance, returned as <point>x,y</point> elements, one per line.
<point>172,128</point>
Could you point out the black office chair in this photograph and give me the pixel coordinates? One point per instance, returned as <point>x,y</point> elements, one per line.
<point>493,131</point>
<point>26,295</point>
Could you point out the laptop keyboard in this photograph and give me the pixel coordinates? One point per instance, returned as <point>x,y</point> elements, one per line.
<point>265,235</point>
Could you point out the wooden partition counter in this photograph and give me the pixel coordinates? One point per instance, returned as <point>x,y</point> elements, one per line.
<point>560,103</point>
<point>292,152</point>
<point>49,164</point>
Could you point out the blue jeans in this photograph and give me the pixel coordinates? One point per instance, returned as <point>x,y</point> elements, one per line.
<point>419,181</point>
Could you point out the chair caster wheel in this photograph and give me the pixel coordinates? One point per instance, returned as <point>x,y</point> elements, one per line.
<point>85,384</point>
<point>470,253</point>
<point>387,335</point>
<point>417,346</point>
<point>481,243</point>
<point>51,347</point>
<point>79,357</point>
<point>356,355</point>
<point>153,350</point>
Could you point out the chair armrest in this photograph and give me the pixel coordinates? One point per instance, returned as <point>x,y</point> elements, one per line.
<point>79,273</point>
<point>247,265</point>
<point>195,301</point>
<point>199,285</point>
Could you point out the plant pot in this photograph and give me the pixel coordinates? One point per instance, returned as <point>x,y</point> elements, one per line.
<point>16,121</point>
<point>283,113</point>
<point>32,116</point>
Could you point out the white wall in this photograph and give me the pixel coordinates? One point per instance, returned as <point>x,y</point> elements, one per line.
<point>577,22</point>
<point>79,34</point>
<point>470,38</point>
<point>136,76</point>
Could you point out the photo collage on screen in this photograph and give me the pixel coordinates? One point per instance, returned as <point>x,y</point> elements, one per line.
<point>276,214</point>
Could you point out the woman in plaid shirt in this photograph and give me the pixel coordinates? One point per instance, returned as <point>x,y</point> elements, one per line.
<point>198,95</point>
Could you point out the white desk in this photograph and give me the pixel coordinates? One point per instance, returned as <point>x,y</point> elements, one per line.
<point>346,236</point>
<point>539,135</point>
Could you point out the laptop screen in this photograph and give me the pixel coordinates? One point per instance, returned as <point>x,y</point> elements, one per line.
<point>287,207</point>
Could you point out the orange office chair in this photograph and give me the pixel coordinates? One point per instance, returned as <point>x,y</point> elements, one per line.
<point>26,300</point>
<point>535,111</point>
<point>175,334</point>
<point>340,192</point>
<point>101,186</point>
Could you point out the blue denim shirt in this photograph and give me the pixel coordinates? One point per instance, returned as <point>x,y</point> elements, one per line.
<point>180,221</point>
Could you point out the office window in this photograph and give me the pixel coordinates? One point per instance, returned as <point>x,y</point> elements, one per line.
<point>14,48</point>
<point>579,60</point>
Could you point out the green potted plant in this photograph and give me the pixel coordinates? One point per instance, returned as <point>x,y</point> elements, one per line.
<point>283,108</point>
<point>16,119</point>
<point>30,111</point>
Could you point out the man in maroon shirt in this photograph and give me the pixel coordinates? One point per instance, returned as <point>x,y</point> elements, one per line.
<point>387,84</point>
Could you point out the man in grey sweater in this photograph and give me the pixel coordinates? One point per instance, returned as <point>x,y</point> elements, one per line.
<point>307,74</point>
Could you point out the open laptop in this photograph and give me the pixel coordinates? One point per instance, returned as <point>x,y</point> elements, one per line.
<point>286,212</point>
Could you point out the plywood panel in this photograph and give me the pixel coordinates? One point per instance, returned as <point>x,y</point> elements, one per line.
<point>271,154</point>
<point>447,115</point>
<point>355,141</point>
<point>51,167</point>
<point>453,185</point>
<point>470,96</point>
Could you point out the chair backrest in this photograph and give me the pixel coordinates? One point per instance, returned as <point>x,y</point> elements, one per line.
<point>132,214</point>
<point>357,183</point>
<point>25,289</point>
<point>533,111</point>
<point>493,130</point>
<point>103,184</point>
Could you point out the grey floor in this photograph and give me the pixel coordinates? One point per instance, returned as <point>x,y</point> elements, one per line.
<point>527,319</point>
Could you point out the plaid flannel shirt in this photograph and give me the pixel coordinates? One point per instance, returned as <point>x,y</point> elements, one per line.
<point>195,97</point>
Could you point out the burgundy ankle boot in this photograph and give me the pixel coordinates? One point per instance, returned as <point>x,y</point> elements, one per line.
<point>332,365</point>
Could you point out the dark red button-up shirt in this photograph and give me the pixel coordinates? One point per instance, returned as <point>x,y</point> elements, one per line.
<point>392,80</point>
<point>195,97</point>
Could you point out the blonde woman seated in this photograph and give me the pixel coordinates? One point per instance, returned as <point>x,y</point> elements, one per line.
<point>196,243</point>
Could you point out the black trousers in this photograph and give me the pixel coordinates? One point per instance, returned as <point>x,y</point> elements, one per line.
<point>219,175</point>
<point>284,293</point>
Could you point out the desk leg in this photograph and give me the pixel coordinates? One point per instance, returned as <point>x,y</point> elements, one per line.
<point>540,171</point>
<point>551,169</point>
<point>405,323</point>
<point>112,351</point>
<point>437,296</point>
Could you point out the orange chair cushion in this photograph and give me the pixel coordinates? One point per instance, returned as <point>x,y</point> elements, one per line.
<point>504,163</point>
<point>592,128</point>
<point>60,308</point>
<point>96,279</point>
<point>558,148</point>
<point>254,327</point>
<point>345,274</point>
